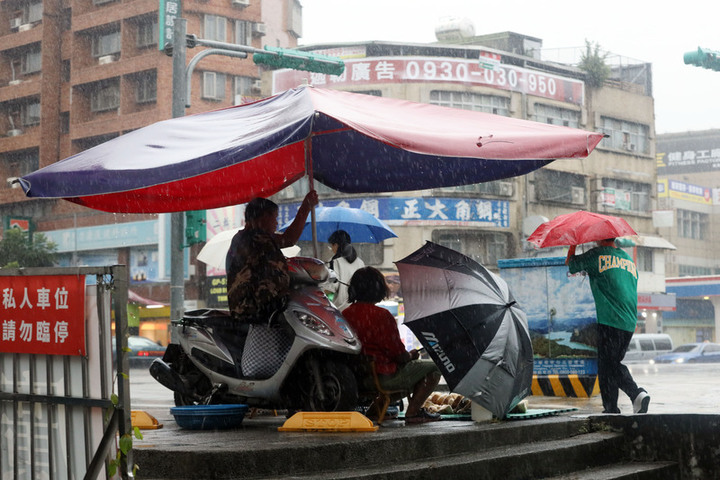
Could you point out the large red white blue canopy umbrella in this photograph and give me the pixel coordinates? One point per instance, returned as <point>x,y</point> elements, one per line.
<point>351,142</point>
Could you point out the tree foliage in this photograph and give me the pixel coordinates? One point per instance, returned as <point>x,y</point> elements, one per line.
<point>593,63</point>
<point>16,251</point>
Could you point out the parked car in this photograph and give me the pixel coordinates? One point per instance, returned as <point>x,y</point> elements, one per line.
<point>691,353</point>
<point>142,350</point>
<point>646,346</point>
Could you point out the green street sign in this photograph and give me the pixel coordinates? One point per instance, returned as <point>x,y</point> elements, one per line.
<point>299,60</point>
<point>703,57</point>
<point>195,231</point>
<point>169,11</point>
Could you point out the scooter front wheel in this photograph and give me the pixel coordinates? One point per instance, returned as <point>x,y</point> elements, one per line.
<point>333,389</point>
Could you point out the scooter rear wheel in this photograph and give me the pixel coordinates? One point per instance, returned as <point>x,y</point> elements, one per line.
<point>339,388</point>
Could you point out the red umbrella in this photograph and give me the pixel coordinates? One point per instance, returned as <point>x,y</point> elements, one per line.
<point>578,228</point>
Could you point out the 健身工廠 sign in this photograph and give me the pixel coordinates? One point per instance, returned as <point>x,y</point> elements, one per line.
<point>43,314</point>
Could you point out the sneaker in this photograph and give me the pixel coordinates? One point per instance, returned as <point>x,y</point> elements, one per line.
<point>611,412</point>
<point>423,416</point>
<point>641,402</point>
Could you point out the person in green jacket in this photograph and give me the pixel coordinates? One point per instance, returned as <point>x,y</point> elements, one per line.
<point>613,281</point>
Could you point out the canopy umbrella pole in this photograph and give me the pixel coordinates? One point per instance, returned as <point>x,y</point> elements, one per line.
<point>311,187</point>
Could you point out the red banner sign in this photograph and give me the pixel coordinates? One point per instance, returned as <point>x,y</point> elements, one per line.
<point>387,70</point>
<point>43,314</point>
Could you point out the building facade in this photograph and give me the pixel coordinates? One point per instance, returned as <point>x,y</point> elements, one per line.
<point>505,75</point>
<point>688,214</point>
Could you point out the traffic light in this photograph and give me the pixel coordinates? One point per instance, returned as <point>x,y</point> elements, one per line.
<point>703,57</point>
<point>298,60</point>
<point>195,231</point>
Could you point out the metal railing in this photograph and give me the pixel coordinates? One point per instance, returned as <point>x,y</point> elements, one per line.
<point>59,414</point>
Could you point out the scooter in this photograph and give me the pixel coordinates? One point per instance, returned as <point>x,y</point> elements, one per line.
<point>302,358</point>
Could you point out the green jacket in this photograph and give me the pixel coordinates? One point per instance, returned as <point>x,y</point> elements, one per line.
<point>613,281</point>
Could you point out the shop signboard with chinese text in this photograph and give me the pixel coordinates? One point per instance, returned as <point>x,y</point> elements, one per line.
<point>397,70</point>
<point>684,191</point>
<point>43,314</point>
<point>688,154</point>
<point>422,211</point>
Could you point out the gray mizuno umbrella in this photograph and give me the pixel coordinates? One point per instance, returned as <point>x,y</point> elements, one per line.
<point>470,324</point>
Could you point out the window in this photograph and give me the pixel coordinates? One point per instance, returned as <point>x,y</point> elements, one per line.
<point>215,28</point>
<point>106,96</point>
<point>692,224</point>
<point>559,187</point>
<point>632,137</point>
<point>146,87</point>
<point>243,32</point>
<point>646,345</point>
<point>484,248</point>
<point>106,44</point>
<point>19,164</point>
<point>556,116</point>
<point>213,85</point>
<point>501,188</point>
<point>65,122</point>
<point>472,101</point>
<point>663,344</point>
<point>626,195</point>
<point>244,86</point>
<point>147,33</point>
<point>373,93</point>
<point>695,271</point>
<point>30,113</point>
<point>644,259</point>
<point>33,12</point>
<point>65,71</point>
<point>31,61</point>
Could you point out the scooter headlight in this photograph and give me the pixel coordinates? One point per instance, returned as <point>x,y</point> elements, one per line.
<point>314,324</point>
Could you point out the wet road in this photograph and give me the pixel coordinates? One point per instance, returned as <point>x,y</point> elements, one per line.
<point>673,389</point>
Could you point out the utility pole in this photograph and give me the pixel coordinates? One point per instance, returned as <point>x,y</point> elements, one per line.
<point>177,219</point>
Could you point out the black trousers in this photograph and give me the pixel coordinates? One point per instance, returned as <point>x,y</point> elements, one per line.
<point>613,376</point>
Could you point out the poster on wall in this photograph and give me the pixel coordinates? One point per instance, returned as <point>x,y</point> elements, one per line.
<point>144,265</point>
<point>43,314</point>
<point>561,314</point>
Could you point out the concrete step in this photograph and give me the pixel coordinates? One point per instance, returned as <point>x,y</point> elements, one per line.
<point>281,456</point>
<point>626,471</point>
<point>510,462</point>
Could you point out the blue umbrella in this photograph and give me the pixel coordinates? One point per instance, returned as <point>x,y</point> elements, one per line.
<point>362,226</point>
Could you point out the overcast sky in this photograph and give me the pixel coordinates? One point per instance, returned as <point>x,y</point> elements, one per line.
<point>686,97</point>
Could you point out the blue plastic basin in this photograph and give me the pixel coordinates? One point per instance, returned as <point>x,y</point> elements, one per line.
<point>209,417</point>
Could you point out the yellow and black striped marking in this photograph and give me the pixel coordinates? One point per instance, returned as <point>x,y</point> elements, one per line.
<point>581,386</point>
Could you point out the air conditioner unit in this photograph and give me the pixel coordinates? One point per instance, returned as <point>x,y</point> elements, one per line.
<point>25,26</point>
<point>14,132</point>
<point>241,3</point>
<point>106,59</point>
<point>11,182</point>
<point>577,195</point>
<point>257,85</point>
<point>15,23</point>
<point>259,29</point>
<point>505,189</point>
<point>631,147</point>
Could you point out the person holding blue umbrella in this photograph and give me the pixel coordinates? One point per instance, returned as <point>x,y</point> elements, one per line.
<point>344,263</point>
